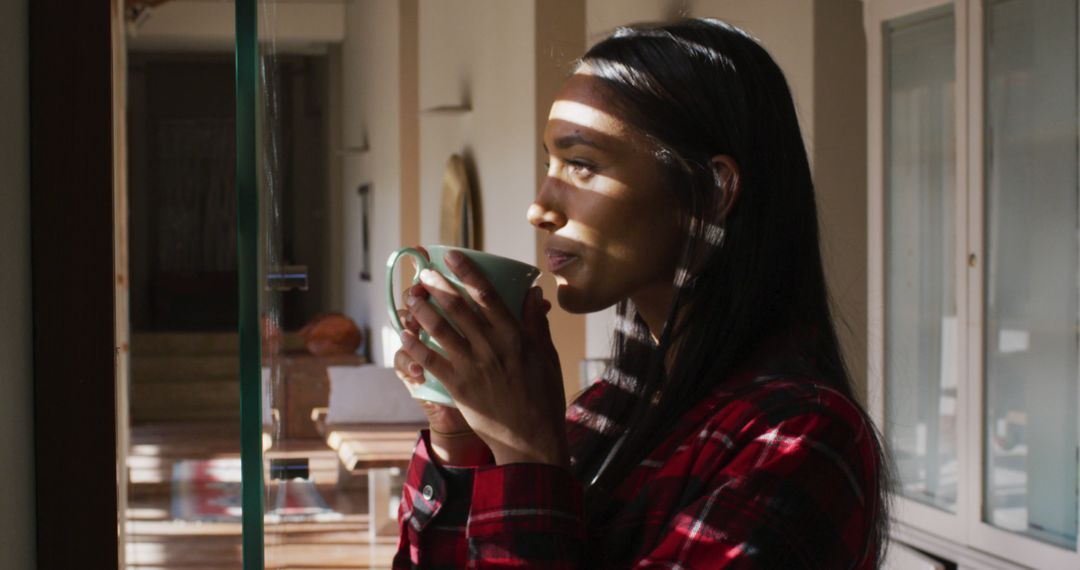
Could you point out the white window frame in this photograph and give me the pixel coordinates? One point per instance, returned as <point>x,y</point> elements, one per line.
<point>962,537</point>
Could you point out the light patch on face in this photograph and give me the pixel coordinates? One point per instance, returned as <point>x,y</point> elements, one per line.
<point>582,114</point>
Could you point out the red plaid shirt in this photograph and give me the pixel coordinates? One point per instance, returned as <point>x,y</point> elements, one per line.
<point>767,472</point>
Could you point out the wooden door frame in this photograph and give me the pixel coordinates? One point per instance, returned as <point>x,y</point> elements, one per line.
<point>72,236</point>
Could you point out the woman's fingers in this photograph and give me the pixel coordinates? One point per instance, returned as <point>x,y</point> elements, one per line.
<point>408,369</point>
<point>535,319</point>
<point>426,357</point>
<point>407,320</point>
<point>415,263</point>
<point>480,289</point>
<point>456,309</point>
<point>406,317</point>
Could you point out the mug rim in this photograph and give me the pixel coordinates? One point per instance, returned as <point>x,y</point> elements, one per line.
<point>493,256</point>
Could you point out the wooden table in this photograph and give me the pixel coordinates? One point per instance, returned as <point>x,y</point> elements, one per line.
<point>362,447</point>
<point>382,452</point>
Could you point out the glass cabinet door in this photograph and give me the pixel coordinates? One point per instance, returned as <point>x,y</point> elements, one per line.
<point>252,269</point>
<point>1031,271</point>
<point>978,298</point>
<point>312,498</point>
<point>183,504</point>
<point>920,240</point>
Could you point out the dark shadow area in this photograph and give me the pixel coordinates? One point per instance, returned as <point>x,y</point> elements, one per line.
<point>182,169</point>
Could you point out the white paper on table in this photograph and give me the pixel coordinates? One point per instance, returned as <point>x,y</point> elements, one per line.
<point>369,394</point>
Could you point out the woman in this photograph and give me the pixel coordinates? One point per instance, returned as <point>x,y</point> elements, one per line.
<point>725,434</point>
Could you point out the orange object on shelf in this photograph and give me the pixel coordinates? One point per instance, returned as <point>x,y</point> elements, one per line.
<point>331,334</point>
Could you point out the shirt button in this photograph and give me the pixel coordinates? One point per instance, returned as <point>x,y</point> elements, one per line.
<point>428,492</point>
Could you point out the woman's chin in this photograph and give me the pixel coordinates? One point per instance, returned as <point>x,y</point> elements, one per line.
<point>576,301</point>
<point>569,298</point>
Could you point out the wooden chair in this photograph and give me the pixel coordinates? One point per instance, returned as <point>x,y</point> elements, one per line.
<point>372,424</point>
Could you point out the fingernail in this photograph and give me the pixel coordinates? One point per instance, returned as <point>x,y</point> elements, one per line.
<point>406,338</point>
<point>453,258</point>
<point>410,300</point>
<point>415,369</point>
<point>427,276</point>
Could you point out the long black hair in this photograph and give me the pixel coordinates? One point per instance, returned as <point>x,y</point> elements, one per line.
<point>750,269</point>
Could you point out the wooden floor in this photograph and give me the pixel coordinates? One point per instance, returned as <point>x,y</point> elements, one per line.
<point>156,542</point>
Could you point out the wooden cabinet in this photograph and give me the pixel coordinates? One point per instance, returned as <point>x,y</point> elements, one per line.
<point>300,386</point>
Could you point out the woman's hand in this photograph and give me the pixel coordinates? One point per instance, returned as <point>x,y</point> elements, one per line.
<point>441,418</point>
<point>504,376</point>
<point>449,451</point>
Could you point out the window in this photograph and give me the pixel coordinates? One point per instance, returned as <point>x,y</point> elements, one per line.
<point>920,306</point>
<point>1031,268</point>
<point>975,272</point>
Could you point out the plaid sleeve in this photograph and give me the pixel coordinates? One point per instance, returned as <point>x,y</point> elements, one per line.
<point>795,495</point>
<point>433,511</point>
<point>487,517</point>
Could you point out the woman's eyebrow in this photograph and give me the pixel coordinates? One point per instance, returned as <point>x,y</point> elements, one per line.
<point>567,141</point>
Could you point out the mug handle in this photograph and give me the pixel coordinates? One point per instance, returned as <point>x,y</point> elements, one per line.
<point>421,263</point>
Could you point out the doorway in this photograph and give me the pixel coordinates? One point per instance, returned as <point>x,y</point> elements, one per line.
<point>182,204</point>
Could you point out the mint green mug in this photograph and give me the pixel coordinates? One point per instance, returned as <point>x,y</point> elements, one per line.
<point>511,279</point>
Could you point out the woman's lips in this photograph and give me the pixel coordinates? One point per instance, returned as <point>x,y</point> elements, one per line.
<point>558,259</point>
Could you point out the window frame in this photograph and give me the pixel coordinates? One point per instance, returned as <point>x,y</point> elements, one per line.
<point>962,536</point>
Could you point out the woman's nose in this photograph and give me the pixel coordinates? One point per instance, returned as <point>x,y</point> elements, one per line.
<point>545,218</point>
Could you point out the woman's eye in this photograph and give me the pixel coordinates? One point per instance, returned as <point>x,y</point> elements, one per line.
<point>580,168</point>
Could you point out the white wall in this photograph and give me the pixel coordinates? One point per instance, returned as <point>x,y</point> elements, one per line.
<point>16,387</point>
<point>369,117</point>
<point>603,16</point>
<point>480,53</point>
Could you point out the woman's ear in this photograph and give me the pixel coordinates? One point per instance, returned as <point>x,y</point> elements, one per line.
<point>726,174</point>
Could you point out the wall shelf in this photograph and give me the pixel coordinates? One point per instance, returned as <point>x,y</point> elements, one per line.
<point>448,110</point>
<point>353,150</point>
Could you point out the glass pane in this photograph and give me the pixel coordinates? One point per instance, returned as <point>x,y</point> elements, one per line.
<point>920,301</point>
<point>320,508</point>
<point>1031,269</point>
<point>184,454</point>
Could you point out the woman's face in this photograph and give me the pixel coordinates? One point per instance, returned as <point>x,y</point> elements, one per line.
<point>612,226</point>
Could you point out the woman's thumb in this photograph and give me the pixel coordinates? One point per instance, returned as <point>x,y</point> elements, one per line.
<point>535,316</point>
